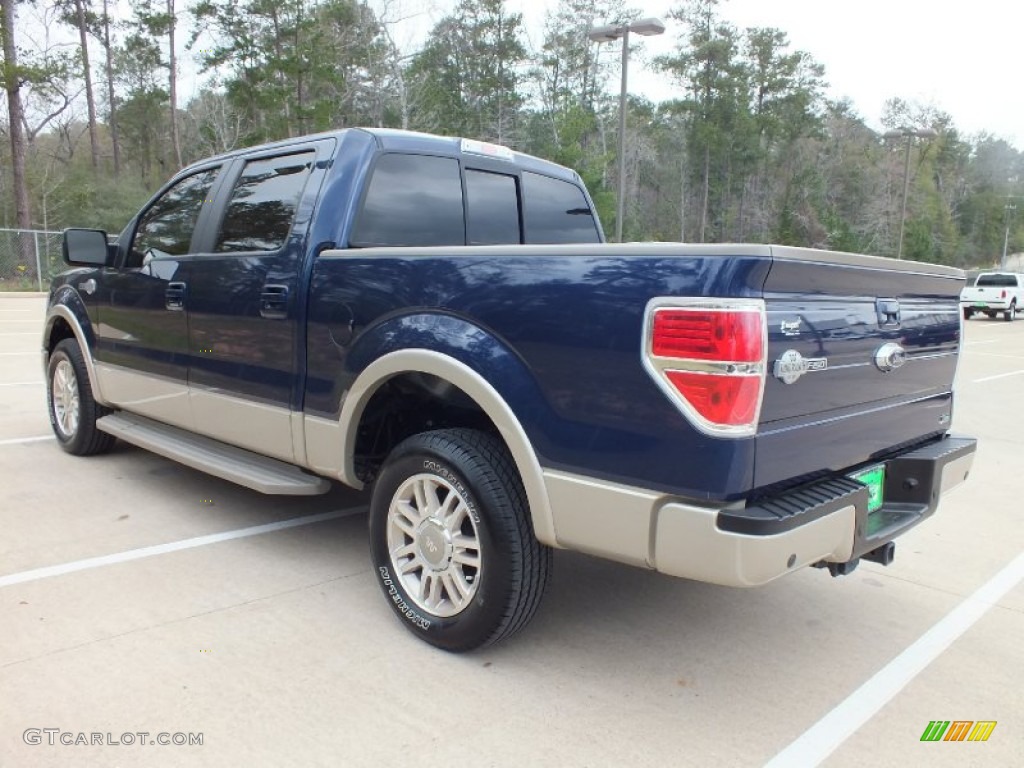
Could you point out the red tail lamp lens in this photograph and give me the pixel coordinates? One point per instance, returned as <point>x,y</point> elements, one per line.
<point>724,400</point>
<point>706,335</point>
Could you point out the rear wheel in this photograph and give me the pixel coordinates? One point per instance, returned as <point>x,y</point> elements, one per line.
<point>968,313</point>
<point>73,411</point>
<point>451,540</point>
<point>1009,313</point>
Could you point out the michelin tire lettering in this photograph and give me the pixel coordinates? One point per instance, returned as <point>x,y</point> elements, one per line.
<point>399,601</point>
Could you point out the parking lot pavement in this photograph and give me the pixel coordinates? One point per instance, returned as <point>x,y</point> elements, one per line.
<point>188,606</point>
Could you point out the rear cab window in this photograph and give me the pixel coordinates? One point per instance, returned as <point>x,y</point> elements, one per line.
<point>997,280</point>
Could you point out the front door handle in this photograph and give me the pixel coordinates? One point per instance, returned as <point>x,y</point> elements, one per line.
<point>274,302</point>
<point>174,296</point>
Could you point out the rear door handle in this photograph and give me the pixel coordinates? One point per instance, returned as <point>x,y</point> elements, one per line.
<point>274,302</point>
<point>174,296</point>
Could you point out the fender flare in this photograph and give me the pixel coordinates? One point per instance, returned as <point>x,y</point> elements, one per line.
<point>480,391</point>
<point>64,312</point>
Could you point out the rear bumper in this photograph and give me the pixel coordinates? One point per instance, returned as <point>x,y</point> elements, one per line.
<point>748,545</point>
<point>988,305</point>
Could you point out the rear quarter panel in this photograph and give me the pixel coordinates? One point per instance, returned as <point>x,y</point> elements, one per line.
<point>556,329</point>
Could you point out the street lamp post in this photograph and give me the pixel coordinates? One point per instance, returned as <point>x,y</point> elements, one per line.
<point>1010,208</point>
<point>607,34</point>
<point>908,134</point>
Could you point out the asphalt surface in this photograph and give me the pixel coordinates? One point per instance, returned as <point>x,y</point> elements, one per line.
<point>276,645</point>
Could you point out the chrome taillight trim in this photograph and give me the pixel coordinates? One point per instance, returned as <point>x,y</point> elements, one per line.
<point>657,366</point>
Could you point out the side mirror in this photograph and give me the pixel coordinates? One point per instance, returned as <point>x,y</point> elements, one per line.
<point>87,247</point>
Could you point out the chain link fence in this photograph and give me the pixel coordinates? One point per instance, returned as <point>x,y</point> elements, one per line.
<point>29,258</point>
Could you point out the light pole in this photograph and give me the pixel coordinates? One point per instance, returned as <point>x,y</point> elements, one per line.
<point>607,34</point>
<point>908,134</point>
<point>1010,207</point>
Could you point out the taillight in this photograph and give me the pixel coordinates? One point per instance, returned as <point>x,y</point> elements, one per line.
<point>709,356</point>
<point>1003,294</point>
<point>707,335</point>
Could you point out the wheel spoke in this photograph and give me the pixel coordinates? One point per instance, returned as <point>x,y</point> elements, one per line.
<point>450,511</point>
<point>402,521</point>
<point>458,588</point>
<point>422,505</point>
<point>407,567</point>
<point>434,598</point>
<point>464,558</point>
<point>409,550</point>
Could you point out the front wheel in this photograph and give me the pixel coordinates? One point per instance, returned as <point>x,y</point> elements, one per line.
<point>451,540</point>
<point>73,411</point>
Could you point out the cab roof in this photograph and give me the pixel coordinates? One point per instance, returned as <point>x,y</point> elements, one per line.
<point>394,140</point>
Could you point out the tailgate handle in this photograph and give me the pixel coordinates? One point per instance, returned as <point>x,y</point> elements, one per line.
<point>888,313</point>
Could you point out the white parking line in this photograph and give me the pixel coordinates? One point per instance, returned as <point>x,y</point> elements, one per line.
<point>826,735</point>
<point>19,354</point>
<point>997,376</point>
<point>20,383</point>
<point>976,343</point>
<point>174,546</point>
<point>20,440</point>
<point>999,354</point>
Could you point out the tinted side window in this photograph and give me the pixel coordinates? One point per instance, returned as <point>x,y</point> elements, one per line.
<point>412,200</point>
<point>492,209</point>
<point>262,208</point>
<point>556,212</point>
<point>166,228</point>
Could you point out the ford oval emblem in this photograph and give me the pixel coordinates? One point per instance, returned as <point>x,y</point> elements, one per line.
<point>890,356</point>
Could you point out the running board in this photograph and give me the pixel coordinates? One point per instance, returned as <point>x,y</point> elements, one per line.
<point>214,457</point>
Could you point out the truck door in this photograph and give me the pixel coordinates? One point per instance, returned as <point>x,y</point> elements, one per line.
<point>244,310</point>
<point>142,333</point>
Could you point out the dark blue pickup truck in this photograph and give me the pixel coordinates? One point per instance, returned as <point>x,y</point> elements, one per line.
<point>439,319</point>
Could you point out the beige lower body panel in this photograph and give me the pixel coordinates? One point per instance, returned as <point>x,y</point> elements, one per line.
<point>254,426</point>
<point>155,397</point>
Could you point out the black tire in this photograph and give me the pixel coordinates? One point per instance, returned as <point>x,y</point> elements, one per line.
<point>513,567</point>
<point>967,314</point>
<point>1009,313</point>
<point>76,432</point>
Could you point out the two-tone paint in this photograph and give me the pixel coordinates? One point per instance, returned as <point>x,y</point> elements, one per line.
<point>547,340</point>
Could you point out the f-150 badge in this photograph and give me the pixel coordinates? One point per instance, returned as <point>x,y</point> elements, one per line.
<point>791,365</point>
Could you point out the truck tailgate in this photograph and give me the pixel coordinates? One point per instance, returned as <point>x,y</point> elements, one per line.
<point>862,353</point>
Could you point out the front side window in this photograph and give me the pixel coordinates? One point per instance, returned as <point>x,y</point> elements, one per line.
<point>412,200</point>
<point>556,211</point>
<point>166,228</point>
<point>263,203</point>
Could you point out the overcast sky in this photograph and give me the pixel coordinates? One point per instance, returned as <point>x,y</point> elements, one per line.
<point>964,58</point>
